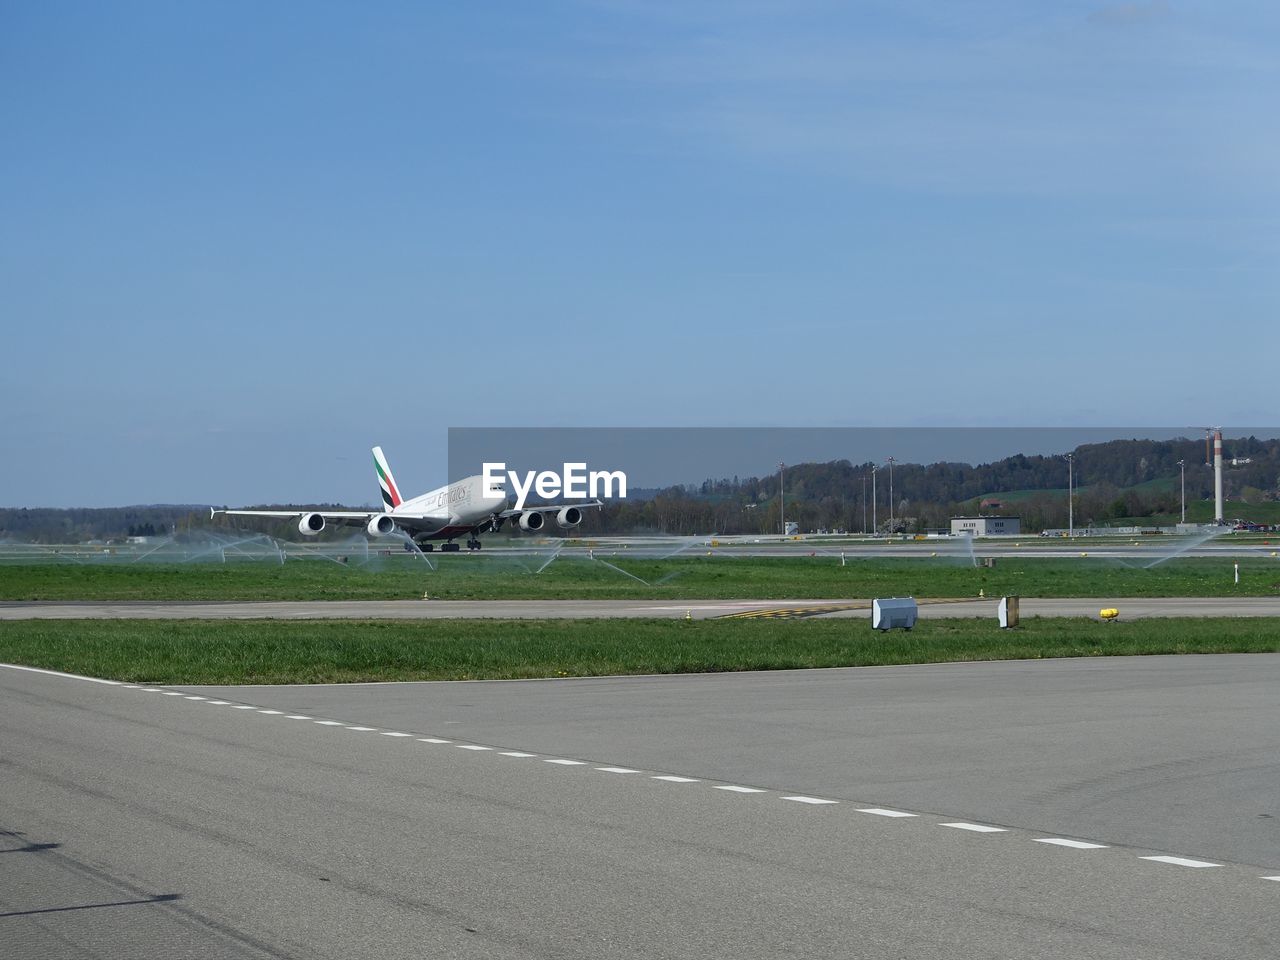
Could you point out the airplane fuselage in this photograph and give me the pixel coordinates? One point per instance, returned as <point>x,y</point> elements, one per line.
<point>452,510</point>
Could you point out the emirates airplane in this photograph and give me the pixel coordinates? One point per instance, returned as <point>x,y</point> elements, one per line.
<point>443,514</point>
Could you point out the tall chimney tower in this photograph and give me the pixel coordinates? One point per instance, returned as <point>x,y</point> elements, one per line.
<point>1217,477</point>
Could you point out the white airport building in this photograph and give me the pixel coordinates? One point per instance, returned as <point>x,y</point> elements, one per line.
<point>986,526</point>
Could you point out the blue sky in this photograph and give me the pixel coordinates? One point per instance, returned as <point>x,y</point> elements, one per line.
<point>243,242</point>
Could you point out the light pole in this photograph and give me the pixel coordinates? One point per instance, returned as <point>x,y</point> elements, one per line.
<point>782,498</point>
<point>1182,467</point>
<point>874,526</point>
<point>864,503</point>
<point>1071,504</point>
<point>891,495</point>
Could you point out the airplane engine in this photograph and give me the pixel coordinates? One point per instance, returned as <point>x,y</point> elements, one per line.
<point>311,524</point>
<point>381,525</point>
<point>532,521</point>
<point>569,517</point>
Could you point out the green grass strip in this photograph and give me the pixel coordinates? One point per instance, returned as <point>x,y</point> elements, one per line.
<point>267,651</point>
<point>462,577</point>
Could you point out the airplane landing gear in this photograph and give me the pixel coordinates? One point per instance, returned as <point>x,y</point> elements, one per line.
<point>426,547</point>
<point>449,547</point>
<point>473,544</point>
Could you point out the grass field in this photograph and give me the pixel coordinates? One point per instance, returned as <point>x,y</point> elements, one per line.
<point>1201,511</point>
<point>263,651</point>
<point>468,578</point>
<point>1198,511</point>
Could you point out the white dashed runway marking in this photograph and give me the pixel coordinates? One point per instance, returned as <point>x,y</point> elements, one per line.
<point>1182,861</point>
<point>1074,844</point>
<point>666,777</point>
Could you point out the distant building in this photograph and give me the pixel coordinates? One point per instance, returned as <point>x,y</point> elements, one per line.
<point>991,503</point>
<point>986,526</point>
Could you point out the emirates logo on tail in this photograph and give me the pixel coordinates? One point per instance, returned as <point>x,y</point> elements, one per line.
<point>390,492</point>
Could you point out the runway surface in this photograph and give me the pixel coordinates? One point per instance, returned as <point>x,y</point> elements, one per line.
<point>247,546</point>
<point>1029,549</point>
<point>1117,808</point>
<point>1130,608</point>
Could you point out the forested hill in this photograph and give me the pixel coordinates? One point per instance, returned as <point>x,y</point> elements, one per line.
<point>1117,479</point>
<point>80,524</point>
<point>1118,463</point>
<point>1120,478</point>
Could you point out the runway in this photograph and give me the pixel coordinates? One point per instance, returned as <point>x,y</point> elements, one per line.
<point>1026,549</point>
<point>1130,608</point>
<point>1037,809</point>
<point>247,546</point>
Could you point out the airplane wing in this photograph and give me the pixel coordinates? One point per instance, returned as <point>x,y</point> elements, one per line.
<point>350,518</point>
<point>548,508</point>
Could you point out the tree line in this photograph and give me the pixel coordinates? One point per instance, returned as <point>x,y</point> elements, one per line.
<point>1117,479</point>
<point>1128,479</point>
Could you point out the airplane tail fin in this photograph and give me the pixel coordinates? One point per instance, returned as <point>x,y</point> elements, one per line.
<point>390,492</point>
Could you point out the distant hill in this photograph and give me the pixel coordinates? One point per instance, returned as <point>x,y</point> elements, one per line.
<point>1120,479</point>
<point>78,524</point>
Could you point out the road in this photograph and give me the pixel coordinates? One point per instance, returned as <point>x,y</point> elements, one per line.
<point>1130,608</point>
<point>743,815</point>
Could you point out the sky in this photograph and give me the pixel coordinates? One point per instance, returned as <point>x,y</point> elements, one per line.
<point>241,243</point>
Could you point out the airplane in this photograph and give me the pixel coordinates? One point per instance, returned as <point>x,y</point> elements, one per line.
<point>443,514</point>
